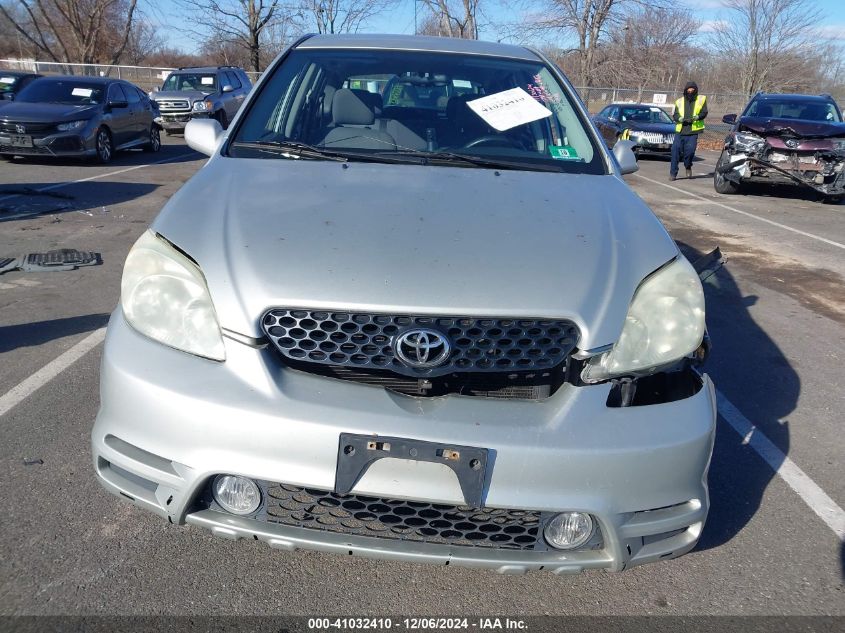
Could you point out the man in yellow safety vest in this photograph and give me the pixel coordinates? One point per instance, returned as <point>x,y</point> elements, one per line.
<point>689,115</point>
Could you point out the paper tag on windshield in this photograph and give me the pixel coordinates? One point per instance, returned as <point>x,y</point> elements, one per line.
<point>82,92</point>
<point>510,108</point>
<point>461,83</point>
<point>563,152</point>
<point>207,81</point>
<point>7,80</point>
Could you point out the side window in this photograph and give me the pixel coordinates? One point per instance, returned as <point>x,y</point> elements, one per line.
<point>116,93</point>
<point>245,80</point>
<point>614,113</point>
<point>232,79</point>
<point>131,94</point>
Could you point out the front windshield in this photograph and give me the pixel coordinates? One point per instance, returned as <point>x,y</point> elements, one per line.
<point>649,114</point>
<point>7,82</point>
<point>203,82</point>
<point>70,91</point>
<point>411,104</point>
<point>794,109</point>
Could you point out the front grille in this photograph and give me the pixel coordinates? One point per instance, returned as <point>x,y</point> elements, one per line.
<point>365,341</point>
<point>31,129</point>
<point>655,137</point>
<point>173,105</point>
<point>39,150</point>
<point>397,519</point>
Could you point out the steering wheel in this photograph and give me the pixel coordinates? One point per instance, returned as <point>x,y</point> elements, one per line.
<point>491,139</point>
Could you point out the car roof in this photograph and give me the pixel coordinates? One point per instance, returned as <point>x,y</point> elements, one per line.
<point>202,69</point>
<point>418,43</point>
<point>632,105</point>
<point>794,97</point>
<point>85,78</point>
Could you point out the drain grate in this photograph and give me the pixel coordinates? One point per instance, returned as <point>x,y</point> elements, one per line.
<point>62,259</point>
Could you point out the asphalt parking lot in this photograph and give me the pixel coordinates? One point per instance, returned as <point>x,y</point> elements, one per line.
<point>773,543</point>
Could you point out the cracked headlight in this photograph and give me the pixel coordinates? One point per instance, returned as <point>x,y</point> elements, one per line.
<point>665,323</point>
<point>747,142</point>
<point>164,296</point>
<point>71,125</point>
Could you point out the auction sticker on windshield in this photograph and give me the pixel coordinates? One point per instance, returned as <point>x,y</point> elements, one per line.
<point>507,109</point>
<point>564,152</point>
<point>7,80</point>
<point>81,92</point>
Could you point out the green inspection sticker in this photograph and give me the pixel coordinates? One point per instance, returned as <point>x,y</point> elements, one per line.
<point>564,152</point>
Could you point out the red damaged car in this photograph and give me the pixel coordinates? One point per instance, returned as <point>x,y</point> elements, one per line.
<point>785,139</point>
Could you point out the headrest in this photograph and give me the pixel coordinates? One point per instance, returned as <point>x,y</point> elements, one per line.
<point>373,100</point>
<point>348,109</point>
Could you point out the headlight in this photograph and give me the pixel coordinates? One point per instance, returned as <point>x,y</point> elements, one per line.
<point>665,323</point>
<point>747,142</point>
<point>72,125</point>
<point>165,297</point>
<point>203,106</point>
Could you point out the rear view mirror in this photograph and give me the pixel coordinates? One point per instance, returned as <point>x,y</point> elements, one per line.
<point>729,118</point>
<point>203,135</point>
<point>623,151</point>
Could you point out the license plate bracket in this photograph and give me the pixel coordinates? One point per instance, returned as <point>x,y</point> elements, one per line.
<point>21,140</point>
<point>356,453</point>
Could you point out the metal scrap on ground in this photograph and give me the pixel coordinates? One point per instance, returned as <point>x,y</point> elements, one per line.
<point>62,259</point>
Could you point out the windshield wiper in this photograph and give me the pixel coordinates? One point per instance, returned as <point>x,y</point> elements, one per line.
<point>291,149</point>
<point>465,159</point>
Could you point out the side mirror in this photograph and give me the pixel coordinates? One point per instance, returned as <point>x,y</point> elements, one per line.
<point>612,119</point>
<point>729,119</point>
<point>623,151</point>
<point>203,135</point>
<point>155,88</point>
<point>227,88</point>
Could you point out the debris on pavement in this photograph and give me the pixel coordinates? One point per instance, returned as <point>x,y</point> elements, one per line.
<point>62,259</point>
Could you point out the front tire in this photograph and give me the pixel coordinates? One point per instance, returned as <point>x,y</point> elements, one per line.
<point>154,143</point>
<point>104,146</point>
<point>720,183</point>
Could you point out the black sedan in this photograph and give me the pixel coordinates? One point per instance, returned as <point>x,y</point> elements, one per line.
<point>646,125</point>
<point>13,81</point>
<point>78,116</point>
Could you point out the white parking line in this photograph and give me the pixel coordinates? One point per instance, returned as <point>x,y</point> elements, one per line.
<point>745,213</point>
<point>97,177</point>
<point>26,388</point>
<point>809,491</point>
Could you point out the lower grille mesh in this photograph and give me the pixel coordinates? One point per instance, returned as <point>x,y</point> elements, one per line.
<point>397,519</point>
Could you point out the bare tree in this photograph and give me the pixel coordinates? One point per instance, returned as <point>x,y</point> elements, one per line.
<point>240,22</point>
<point>87,31</point>
<point>455,19</point>
<point>339,16</point>
<point>653,48</point>
<point>766,40</point>
<point>589,21</point>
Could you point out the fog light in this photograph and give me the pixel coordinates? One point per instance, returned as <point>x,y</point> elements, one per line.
<point>237,495</point>
<point>569,530</point>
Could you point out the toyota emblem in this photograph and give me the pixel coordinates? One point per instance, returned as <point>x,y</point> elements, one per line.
<point>420,348</point>
<point>20,129</point>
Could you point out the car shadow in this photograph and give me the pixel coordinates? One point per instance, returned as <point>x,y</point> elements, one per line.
<point>781,191</point>
<point>28,200</point>
<point>124,158</point>
<point>751,371</point>
<point>31,334</point>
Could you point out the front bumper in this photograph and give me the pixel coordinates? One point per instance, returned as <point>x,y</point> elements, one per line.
<point>171,422</point>
<point>178,121</point>
<point>70,144</point>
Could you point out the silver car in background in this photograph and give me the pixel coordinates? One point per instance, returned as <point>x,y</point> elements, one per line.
<point>410,310</point>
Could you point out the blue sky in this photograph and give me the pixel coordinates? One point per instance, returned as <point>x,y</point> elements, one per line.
<point>401,19</point>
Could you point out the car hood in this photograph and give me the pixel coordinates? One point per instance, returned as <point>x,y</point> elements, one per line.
<point>791,128</point>
<point>415,239</point>
<point>46,112</point>
<point>191,95</point>
<point>660,128</point>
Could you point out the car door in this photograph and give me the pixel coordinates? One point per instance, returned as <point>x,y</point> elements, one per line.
<point>606,122</point>
<point>146,114</point>
<point>119,117</point>
<point>137,127</point>
<point>236,97</point>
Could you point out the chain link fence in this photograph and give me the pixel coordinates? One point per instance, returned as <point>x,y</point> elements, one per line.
<point>145,77</point>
